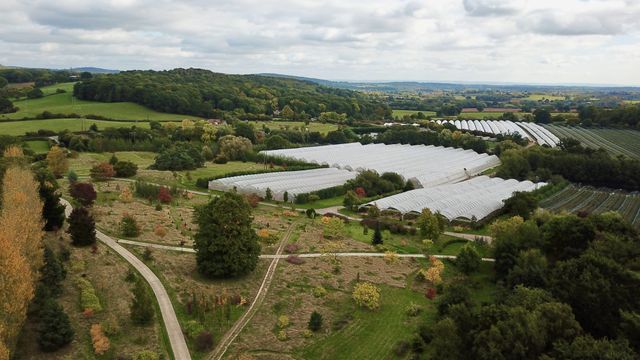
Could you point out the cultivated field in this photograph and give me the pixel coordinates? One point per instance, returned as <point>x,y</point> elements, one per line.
<point>615,141</point>
<point>401,113</point>
<point>596,201</point>
<point>295,125</point>
<point>64,103</point>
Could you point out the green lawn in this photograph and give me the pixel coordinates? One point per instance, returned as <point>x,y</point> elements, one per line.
<point>65,104</point>
<point>372,334</point>
<point>402,113</point>
<point>85,161</point>
<point>38,146</point>
<point>538,97</point>
<point>23,126</point>
<point>482,115</point>
<point>322,128</point>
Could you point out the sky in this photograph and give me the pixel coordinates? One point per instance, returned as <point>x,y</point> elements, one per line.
<point>518,41</point>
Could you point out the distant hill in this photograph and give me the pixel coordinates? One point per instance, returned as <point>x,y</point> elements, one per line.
<point>95,70</point>
<point>418,86</point>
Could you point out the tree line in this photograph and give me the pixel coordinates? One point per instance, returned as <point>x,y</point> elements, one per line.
<point>208,94</point>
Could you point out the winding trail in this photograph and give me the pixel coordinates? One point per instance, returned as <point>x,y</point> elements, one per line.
<point>231,335</point>
<point>172,326</point>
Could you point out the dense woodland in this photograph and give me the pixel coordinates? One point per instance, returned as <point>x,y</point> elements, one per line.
<point>208,94</point>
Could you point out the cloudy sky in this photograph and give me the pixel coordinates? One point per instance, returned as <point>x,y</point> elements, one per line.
<point>526,41</point>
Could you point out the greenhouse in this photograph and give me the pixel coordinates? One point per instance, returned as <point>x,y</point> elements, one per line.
<point>476,198</point>
<point>426,166</point>
<point>501,127</point>
<point>293,182</point>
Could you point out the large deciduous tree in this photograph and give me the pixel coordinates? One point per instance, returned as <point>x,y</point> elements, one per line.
<point>57,161</point>
<point>225,244</point>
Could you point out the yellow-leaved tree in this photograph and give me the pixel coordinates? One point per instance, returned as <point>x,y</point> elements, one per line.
<point>21,251</point>
<point>57,161</point>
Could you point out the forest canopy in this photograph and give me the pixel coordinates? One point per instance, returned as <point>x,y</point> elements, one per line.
<point>208,94</point>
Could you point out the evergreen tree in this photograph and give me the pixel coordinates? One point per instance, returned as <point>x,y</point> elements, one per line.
<point>52,272</point>
<point>315,321</point>
<point>142,306</point>
<point>285,196</point>
<point>52,210</point>
<point>377,235</point>
<point>468,260</point>
<point>82,227</point>
<point>268,194</point>
<point>55,329</point>
<point>226,245</point>
<point>113,160</point>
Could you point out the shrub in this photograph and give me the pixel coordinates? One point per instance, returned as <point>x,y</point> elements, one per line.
<point>390,257</point>
<point>401,348</point>
<point>319,291</point>
<point>431,293</point>
<point>315,321</point>
<point>193,328</point>
<point>413,309</point>
<point>126,195</point>
<point>367,295</point>
<point>283,321</point>
<point>253,200</point>
<point>125,169</point>
<point>204,341</point>
<point>164,195</point>
<point>147,355</point>
<point>468,260</point>
<point>333,227</point>
<point>88,297</point>
<point>84,193</point>
<point>99,340</point>
<point>129,226</point>
<point>295,260</point>
<point>102,171</point>
<point>142,305</point>
<point>289,248</point>
<point>160,231</point>
<point>282,335</point>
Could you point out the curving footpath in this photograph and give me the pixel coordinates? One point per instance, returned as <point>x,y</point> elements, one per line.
<point>172,326</point>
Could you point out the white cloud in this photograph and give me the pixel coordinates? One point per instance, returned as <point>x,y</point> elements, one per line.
<point>591,41</point>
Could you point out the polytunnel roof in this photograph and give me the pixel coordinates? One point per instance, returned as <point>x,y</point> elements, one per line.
<point>430,165</point>
<point>477,197</point>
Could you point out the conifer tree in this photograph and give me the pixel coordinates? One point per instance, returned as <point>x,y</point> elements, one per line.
<point>55,329</point>
<point>377,235</point>
<point>82,227</point>
<point>142,306</point>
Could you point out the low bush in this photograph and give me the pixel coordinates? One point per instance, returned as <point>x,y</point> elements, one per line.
<point>88,297</point>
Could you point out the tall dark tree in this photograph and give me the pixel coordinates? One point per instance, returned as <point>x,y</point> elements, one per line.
<point>567,236</point>
<point>142,305</point>
<point>468,260</point>
<point>315,321</point>
<point>52,272</point>
<point>377,235</point>
<point>226,245</point>
<point>52,209</point>
<point>82,227</point>
<point>84,193</point>
<point>54,331</point>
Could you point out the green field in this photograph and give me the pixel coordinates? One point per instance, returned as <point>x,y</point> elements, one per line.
<point>401,113</point>
<point>38,146</point>
<point>614,141</point>
<point>482,115</point>
<point>595,201</point>
<point>539,97</point>
<point>20,127</point>
<point>85,161</point>
<point>66,104</point>
<point>295,125</point>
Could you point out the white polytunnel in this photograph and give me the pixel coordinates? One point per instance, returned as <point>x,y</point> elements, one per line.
<point>429,165</point>
<point>293,182</point>
<point>478,197</point>
<point>530,131</point>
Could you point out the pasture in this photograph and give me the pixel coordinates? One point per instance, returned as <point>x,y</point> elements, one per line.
<point>322,128</point>
<point>20,127</point>
<point>402,113</point>
<point>65,103</point>
<point>38,146</point>
<point>542,97</point>
<point>575,200</point>
<point>614,141</point>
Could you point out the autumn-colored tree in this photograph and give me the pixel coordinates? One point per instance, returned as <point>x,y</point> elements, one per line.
<point>84,193</point>
<point>333,227</point>
<point>21,252</point>
<point>160,231</point>
<point>102,171</point>
<point>13,152</point>
<point>99,339</point>
<point>57,161</point>
<point>253,200</point>
<point>367,295</point>
<point>126,195</point>
<point>164,195</point>
<point>360,192</point>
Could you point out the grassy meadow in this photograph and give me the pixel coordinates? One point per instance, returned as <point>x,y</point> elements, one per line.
<point>65,103</point>
<point>322,128</point>
<point>21,127</point>
<point>402,113</point>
